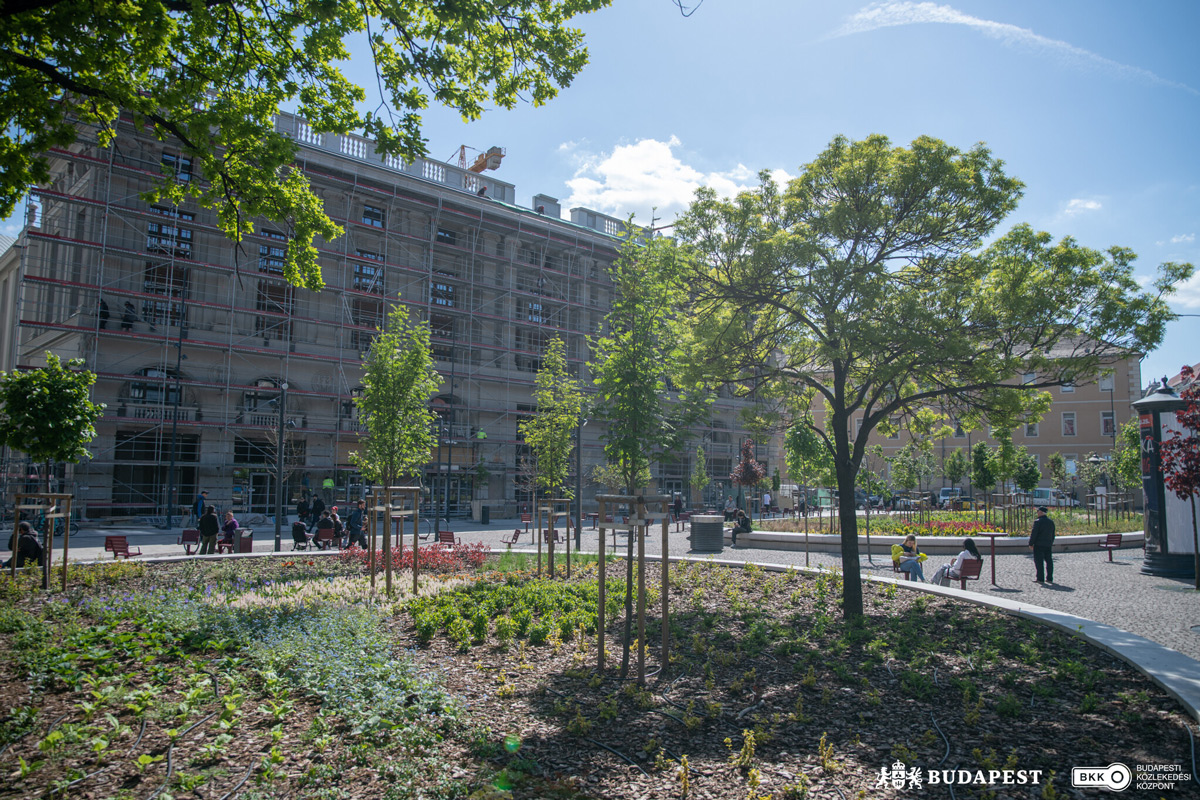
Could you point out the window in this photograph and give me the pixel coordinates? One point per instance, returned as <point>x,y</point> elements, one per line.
<point>1071,461</point>
<point>1106,382</point>
<point>274,297</point>
<point>959,433</point>
<point>362,340</point>
<point>1031,430</point>
<point>441,325</point>
<point>1068,387</point>
<point>373,216</point>
<point>177,166</point>
<point>252,451</point>
<point>857,426</point>
<point>1028,378</point>
<point>169,239</point>
<point>271,259</point>
<point>534,341</point>
<point>167,280</point>
<point>533,312</point>
<point>174,213</point>
<point>161,390</point>
<point>895,423</point>
<point>1068,423</point>
<point>369,256</point>
<point>1108,426</point>
<point>270,234</point>
<point>441,294</point>
<point>368,278</point>
<point>445,236</point>
<point>367,313</point>
<point>147,446</point>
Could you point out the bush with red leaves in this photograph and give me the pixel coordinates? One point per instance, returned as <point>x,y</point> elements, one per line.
<point>432,558</point>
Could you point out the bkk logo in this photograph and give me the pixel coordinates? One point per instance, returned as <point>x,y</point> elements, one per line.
<point>899,776</point>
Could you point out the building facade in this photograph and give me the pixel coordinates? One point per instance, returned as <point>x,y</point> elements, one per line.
<point>193,338</point>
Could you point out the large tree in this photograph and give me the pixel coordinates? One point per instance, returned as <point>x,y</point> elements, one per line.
<point>213,75</point>
<point>398,380</point>
<point>865,280</point>
<point>46,414</point>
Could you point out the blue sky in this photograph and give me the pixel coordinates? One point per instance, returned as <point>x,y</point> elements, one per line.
<point>1094,105</point>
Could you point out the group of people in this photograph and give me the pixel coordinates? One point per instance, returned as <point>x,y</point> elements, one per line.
<point>210,526</point>
<point>1041,542</point>
<point>329,525</point>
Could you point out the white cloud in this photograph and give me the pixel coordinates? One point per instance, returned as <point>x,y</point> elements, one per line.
<point>1183,238</point>
<point>1078,206</point>
<point>894,14</point>
<point>1187,295</point>
<point>648,175</point>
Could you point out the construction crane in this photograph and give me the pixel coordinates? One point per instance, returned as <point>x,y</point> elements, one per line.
<point>483,161</point>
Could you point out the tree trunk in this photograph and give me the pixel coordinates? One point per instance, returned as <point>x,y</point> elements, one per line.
<point>628,604</point>
<point>852,597</point>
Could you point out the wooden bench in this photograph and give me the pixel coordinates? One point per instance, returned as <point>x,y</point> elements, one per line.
<point>190,539</point>
<point>516,535</point>
<point>682,519</point>
<point>971,568</point>
<point>447,539</point>
<point>1110,543</point>
<point>325,538</point>
<point>527,520</point>
<point>119,546</point>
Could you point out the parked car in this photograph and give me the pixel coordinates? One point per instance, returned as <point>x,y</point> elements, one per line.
<point>1042,496</point>
<point>948,495</point>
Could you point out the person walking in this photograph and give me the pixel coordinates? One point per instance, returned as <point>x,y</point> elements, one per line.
<point>209,527</point>
<point>318,506</point>
<point>766,504</point>
<point>354,525</point>
<point>1041,542</point>
<point>198,505</point>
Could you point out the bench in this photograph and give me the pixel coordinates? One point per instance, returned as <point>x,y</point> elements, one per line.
<point>516,535</point>
<point>119,546</point>
<point>324,539</point>
<point>683,518</point>
<point>971,568</point>
<point>447,539</point>
<point>526,520</point>
<point>1110,543</point>
<point>190,539</point>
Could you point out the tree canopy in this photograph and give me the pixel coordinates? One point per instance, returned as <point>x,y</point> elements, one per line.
<point>46,414</point>
<point>866,281</point>
<point>213,75</point>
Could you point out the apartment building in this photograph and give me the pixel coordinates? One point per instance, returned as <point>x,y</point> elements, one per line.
<point>193,339</point>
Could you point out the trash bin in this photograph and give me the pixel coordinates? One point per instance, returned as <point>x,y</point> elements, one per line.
<point>485,515</point>
<point>708,533</point>
<point>245,541</point>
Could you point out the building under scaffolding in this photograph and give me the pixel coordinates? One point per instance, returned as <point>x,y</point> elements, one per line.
<point>192,337</point>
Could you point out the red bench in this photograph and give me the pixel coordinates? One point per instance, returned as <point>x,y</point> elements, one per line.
<point>516,535</point>
<point>190,539</point>
<point>526,520</point>
<point>447,539</point>
<point>1110,543</point>
<point>119,546</point>
<point>971,568</point>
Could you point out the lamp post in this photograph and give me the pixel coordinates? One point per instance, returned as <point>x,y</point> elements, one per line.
<point>171,487</point>
<point>279,470</point>
<point>579,425</point>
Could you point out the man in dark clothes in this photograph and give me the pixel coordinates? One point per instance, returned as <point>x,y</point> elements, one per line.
<point>742,526</point>
<point>209,527</point>
<point>1041,539</point>
<point>318,505</point>
<point>27,548</point>
<point>354,525</point>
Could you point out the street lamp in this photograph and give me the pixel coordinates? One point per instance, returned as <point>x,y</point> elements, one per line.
<point>279,469</point>
<point>579,481</point>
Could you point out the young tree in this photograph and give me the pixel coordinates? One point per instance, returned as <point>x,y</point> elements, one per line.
<point>398,380</point>
<point>632,364</point>
<point>1028,475</point>
<point>747,472</point>
<point>46,414</point>
<point>551,430</point>
<point>955,468</point>
<point>1126,462</point>
<point>213,76</point>
<point>1057,466</point>
<point>699,475</point>
<point>1180,457</point>
<point>865,281</point>
<point>983,469</point>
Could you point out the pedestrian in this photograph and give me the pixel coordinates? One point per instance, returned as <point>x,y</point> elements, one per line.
<point>730,509</point>
<point>229,530</point>
<point>318,505</point>
<point>678,506</point>
<point>198,505</point>
<point>1041,542</point>
<point>766,504</point>
<point>209,527</point>
<point>302,509</point>
<point>354,525</point>
<point>26,548</point>
<point>742,526</point>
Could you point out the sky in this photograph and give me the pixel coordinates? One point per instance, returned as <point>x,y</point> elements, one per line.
<point>1093,104</point>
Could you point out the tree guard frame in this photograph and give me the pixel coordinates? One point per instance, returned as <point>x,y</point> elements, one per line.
<point>54,506</point>
<point>387,506</point>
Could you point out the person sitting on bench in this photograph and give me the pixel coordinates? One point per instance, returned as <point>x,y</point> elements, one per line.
<point>742,526</point>
<point>27,548</point>
<point>947,572</point>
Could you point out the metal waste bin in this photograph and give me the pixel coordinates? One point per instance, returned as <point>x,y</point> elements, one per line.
<point>708,533</point>
<point>245,540</point>
<point>485,515</point>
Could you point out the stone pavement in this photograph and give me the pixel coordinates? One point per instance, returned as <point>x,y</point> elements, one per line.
<point>1088,585</point>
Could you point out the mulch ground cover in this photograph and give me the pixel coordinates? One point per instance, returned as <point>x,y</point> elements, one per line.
<point>268,678</point>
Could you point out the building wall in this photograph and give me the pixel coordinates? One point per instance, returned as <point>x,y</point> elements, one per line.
<point>191,335</point>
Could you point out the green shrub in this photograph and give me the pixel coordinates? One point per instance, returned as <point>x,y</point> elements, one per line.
<point>505,629</point>
<point>539,632</point>
<point>460,633</point>
<point>479,626</point>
